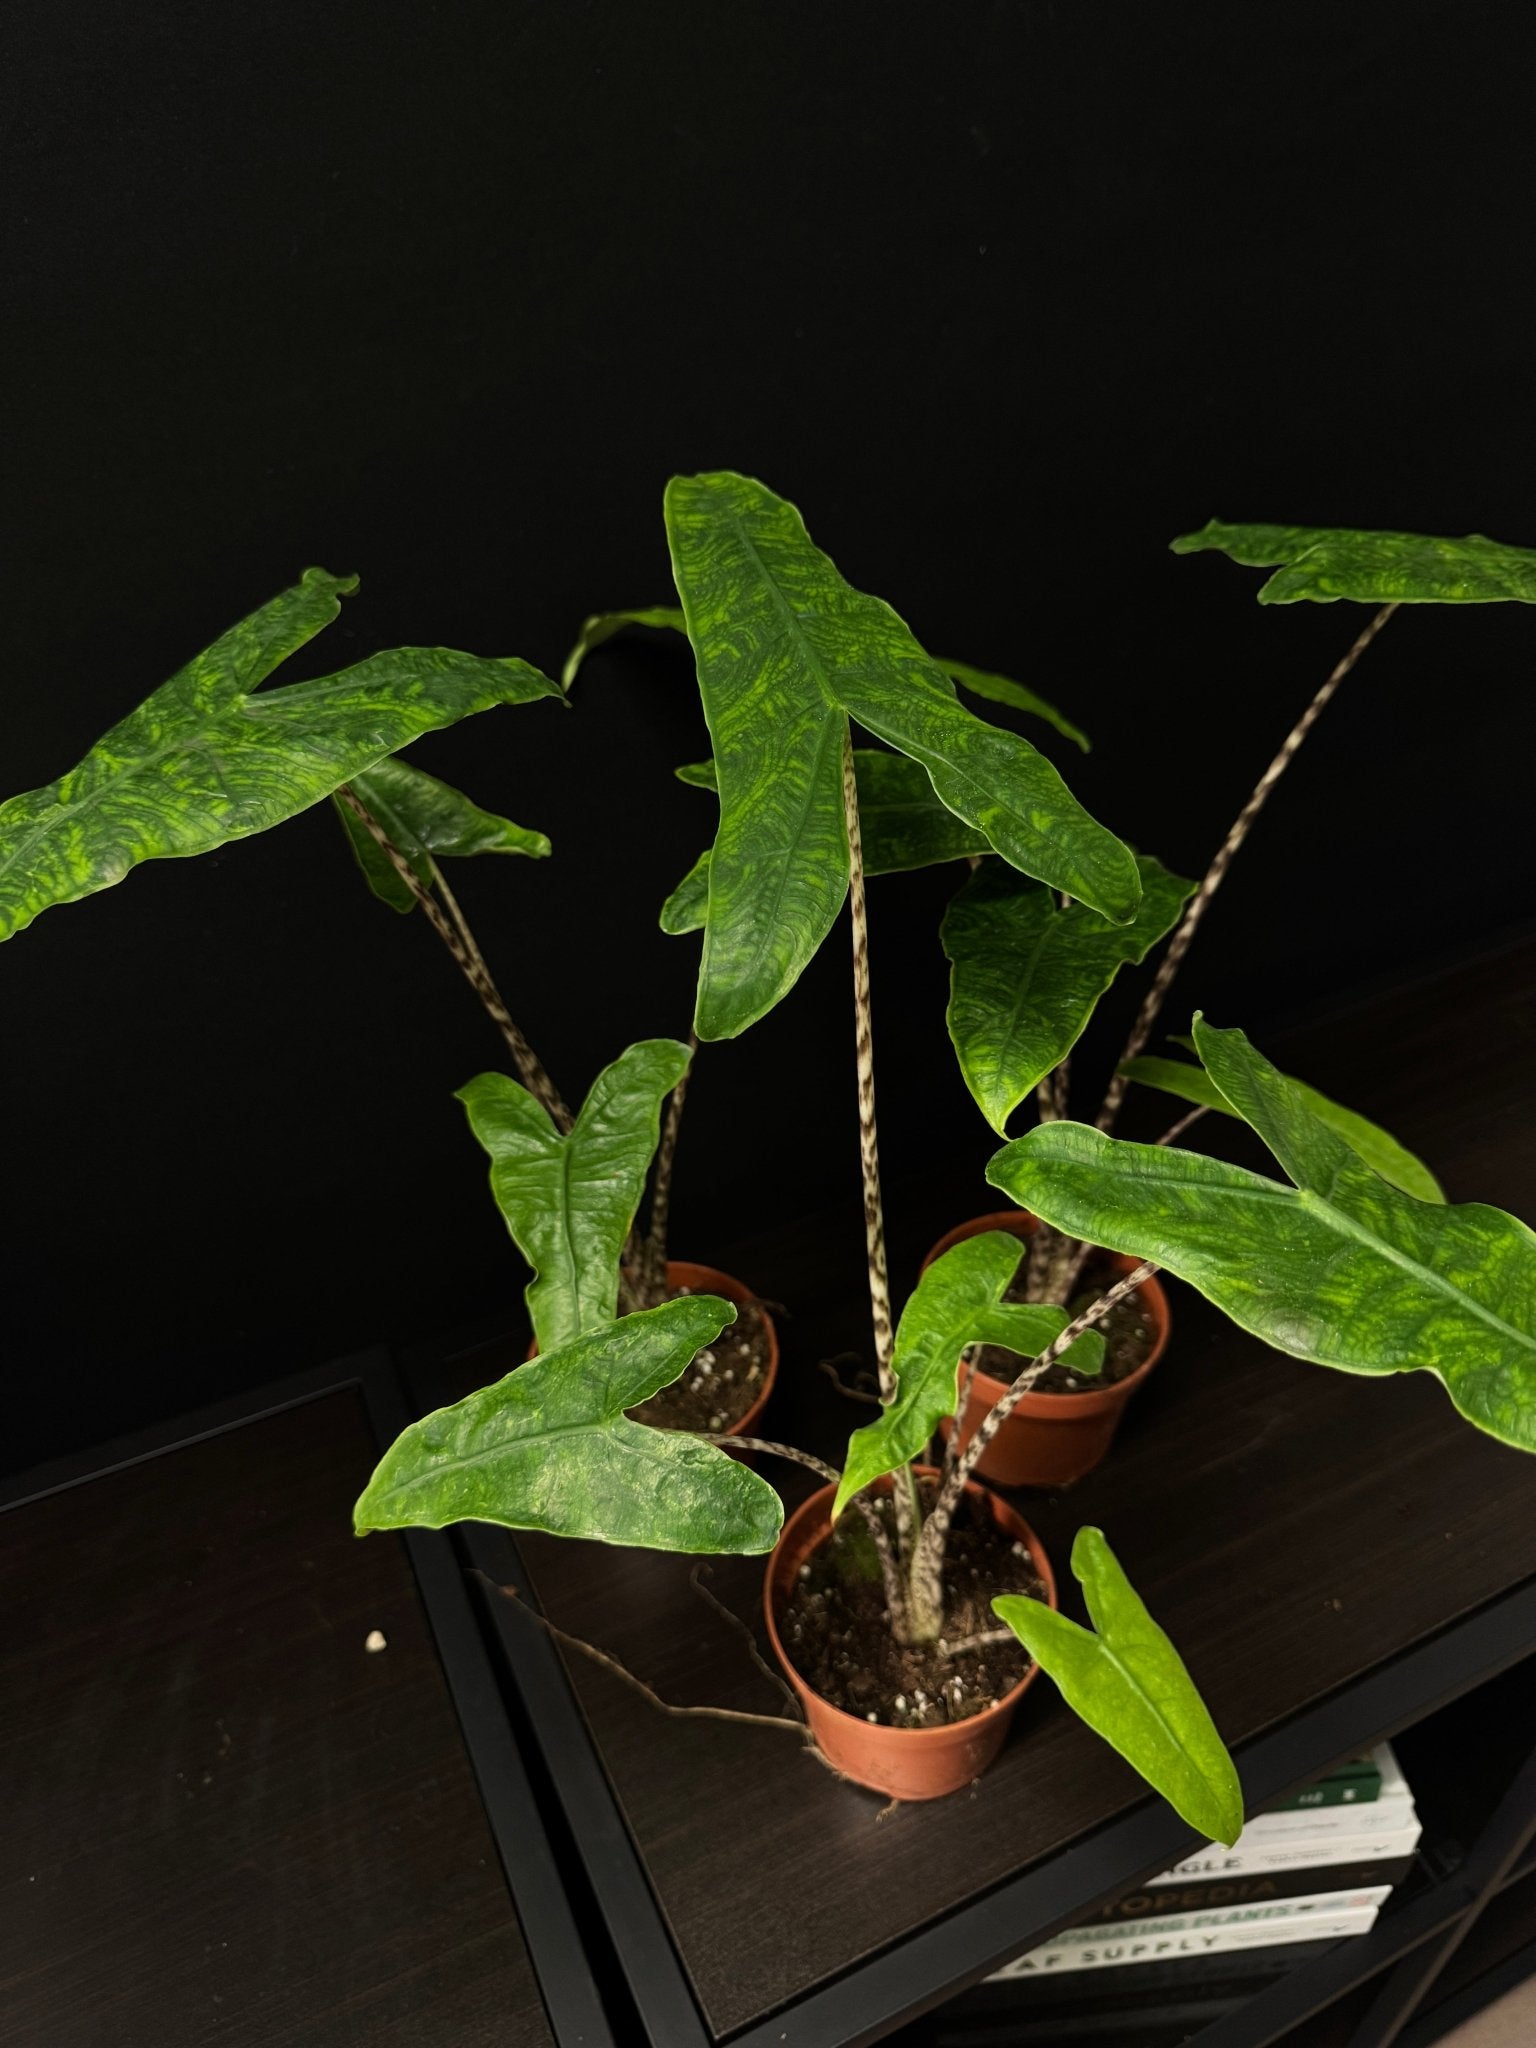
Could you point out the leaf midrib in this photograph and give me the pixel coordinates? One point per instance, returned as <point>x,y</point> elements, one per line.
<point>1016,1010</point>
<point>605,1426</point>
<point>1435,1282</point>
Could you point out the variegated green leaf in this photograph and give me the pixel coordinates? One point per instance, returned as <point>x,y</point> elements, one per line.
<point>902,823</point>
<point>1328,562</point>
<point>786,652</point>
<point>550,1447</point>
<point>569,1199</point>
<point>1004,690</point>
<point>207,759</point>
<point>685,908</point>
<point>958,1301</point>
<point>423,818</point>
<point>1128,1682</point>
<point>1342,1269</point>
<point>1378,1148</point>
<point>603,625</point>
<point>1026,974</point>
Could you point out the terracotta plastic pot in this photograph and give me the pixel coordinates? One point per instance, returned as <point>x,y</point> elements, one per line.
<point>903,1763</point>
<point>710,1280</point>
<point>1052,1439</point>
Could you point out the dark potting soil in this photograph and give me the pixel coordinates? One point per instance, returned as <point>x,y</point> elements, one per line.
<point>1129,1334</point>
<point>834,1624</point>
<point>720,1385</point>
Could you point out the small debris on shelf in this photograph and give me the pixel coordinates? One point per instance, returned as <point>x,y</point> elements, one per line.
<point>375,1640</point>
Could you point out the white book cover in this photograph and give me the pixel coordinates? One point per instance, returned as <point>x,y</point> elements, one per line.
<point>1310,1906</point>
<point>1316,1852</point>
<point>1138,1945</point>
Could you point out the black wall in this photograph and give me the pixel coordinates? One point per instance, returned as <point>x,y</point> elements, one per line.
<point>1003,295</point>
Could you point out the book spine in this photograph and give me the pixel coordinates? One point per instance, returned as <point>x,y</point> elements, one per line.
<point>1203,1895</point>
<point>1360,1791</point>
<point>1317,1853</point>
<point>1235,1973</point>
<point>1306,1907</point>
<point>1056,1957</point>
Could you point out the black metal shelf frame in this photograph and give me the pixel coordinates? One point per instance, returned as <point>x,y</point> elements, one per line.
<point>574,2007</point>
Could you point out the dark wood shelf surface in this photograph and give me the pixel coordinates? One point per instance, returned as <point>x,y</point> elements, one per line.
<point>1293,1528</point>
<point>225,1819</point>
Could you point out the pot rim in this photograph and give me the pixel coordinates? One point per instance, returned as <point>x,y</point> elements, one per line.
<point>1091,1401</point>
<point>821,1499</point>
<point>737,1291</point>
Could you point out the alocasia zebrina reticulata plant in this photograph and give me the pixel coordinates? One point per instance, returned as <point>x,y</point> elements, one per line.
<point>1357,1263</point>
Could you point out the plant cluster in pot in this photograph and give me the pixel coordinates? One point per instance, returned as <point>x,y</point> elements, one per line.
<point>1027,972</point>
<point>872,1588</point>
<point>947,1596</point>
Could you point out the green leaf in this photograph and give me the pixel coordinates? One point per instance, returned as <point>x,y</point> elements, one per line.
<point>1343,1269</point>
<point>603,625</point>
<point>958,1301</point>
<point>204,760</point>
<point>1026,974</point>
<point>569,1199</point>
<point>1129,1684</point>
<point>423,817</point>
<point>1378,1148</point>
<point>685,909</point>
<point>1328,562</point>
<point>902,822</point>
<point>550,1447</point>
<point>1004,690</point>
<point>786,652</point>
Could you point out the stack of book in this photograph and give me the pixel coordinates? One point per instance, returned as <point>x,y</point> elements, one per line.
<point>1218,1926</point>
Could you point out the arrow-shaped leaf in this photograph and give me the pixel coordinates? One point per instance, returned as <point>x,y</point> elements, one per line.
<point>569,1200</point>
<point>423,818</point>
<point>1129,1684</point>
<point>206,760</point>
<point>786,652</point>
<point>550,1447</point>
<point>1378,1148</point>
<point>1342,1269</point>
<point>958,1301</point>
<point>1328,562</point>
<point>1026,974</point>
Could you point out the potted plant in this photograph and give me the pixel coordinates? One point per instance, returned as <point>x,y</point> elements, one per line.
<point>1339,1266</point>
